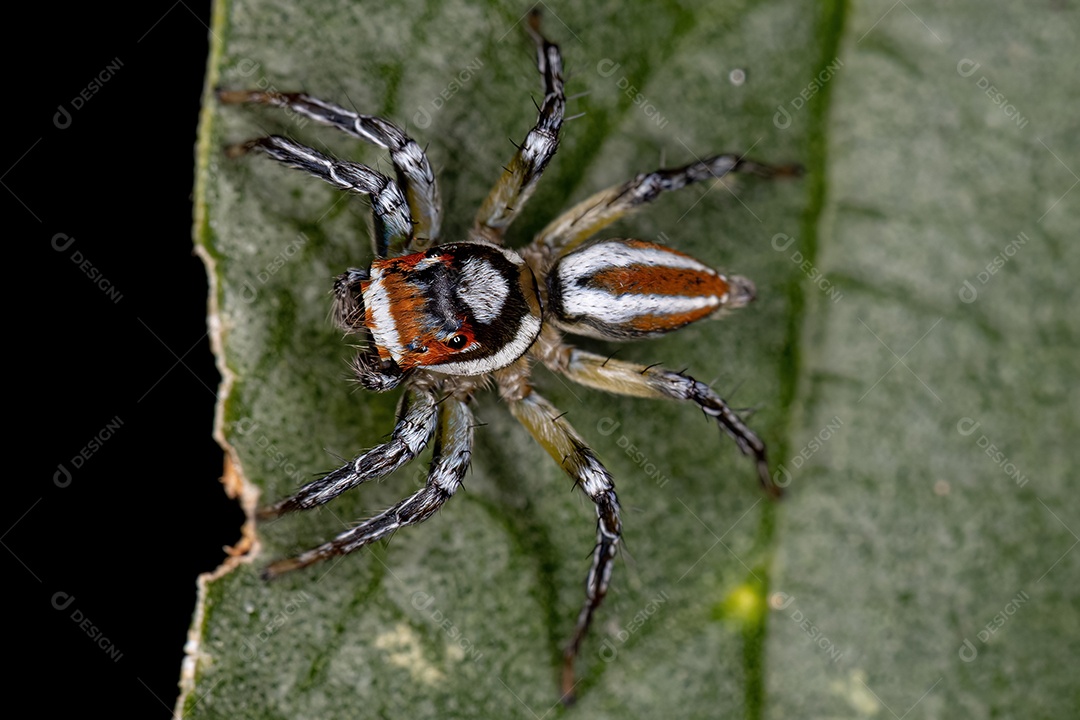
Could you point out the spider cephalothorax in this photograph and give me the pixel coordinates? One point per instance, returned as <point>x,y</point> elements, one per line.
<point>456,309</point>
<point>440,319</point>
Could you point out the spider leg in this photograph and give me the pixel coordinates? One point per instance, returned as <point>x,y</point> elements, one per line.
<point>348,293</point>
<point>568,449</point>
<point>625,378</point>
<point>414,173</point>
<point>417,418</point>
<point>393,221</point>
<point>593,214</point>
<point>453,451</point>
<point>519,178</point>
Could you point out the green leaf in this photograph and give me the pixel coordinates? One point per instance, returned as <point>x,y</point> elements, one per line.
<point>910,568</point>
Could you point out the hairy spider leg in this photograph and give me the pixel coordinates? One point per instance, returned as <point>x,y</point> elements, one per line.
<point>520,177</point>
<point>449,463</point>
<point>348,312</point>
<point>417,420</point>
<point>414,174</point>
<point>588,217</point>
<point>562,442</point>
<point>393,220</point>
<point>625,378</point>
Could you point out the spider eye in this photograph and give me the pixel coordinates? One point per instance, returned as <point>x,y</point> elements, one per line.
<point>456,342</point>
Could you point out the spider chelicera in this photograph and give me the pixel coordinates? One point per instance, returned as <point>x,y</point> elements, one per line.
<point>444,319</point>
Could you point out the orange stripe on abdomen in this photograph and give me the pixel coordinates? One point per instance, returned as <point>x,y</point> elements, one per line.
<point>659,280</point>
<point>622,289</point>
<point>668,322</point>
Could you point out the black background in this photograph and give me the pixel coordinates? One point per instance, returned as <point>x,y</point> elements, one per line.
<point>145,513</point>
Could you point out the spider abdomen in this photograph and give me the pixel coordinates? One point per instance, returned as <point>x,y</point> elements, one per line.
<point>622,289</point>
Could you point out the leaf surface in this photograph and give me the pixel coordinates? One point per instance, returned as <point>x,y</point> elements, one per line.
<point>878,388</point>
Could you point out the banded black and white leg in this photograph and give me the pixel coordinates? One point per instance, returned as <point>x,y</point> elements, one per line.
<point>411,165</point>
<point>393,219</point>
<point>418,416</point>
<point>520,177</point>
<point>568,449</point>
<point>625,378</point>
<point>588,217</point>
<point>452,454</point>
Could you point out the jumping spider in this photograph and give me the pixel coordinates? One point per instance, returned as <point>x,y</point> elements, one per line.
<point>445,319</point>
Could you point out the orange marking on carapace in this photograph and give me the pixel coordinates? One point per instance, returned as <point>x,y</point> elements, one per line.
<point>408,309</point>
<point>438,352</point>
